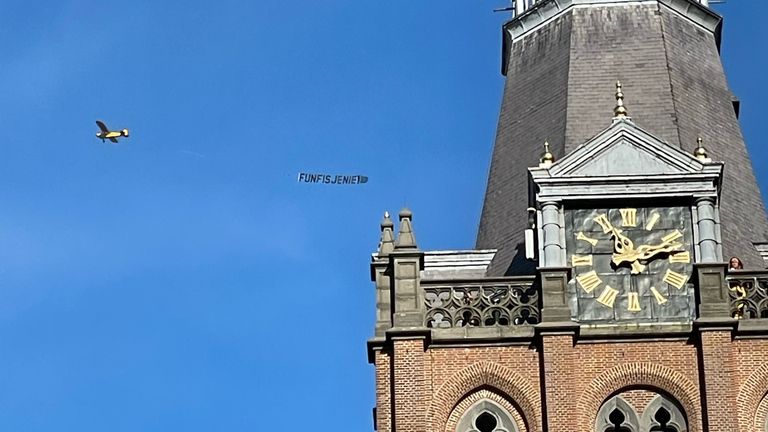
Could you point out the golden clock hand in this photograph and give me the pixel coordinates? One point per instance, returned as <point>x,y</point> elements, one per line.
<point>623,248</point>
<point>645,252</point>
<point>650,253</point>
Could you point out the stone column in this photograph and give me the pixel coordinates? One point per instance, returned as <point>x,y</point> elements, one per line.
<point>550,227</point>
<point>381,276</point>
<point>713,301</point>
<point>406,262</point>
<point>409,335</point>
<point>707,227</point>
<point>554,303</point>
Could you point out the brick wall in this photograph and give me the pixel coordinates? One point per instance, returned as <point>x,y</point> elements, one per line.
<point>432,387</point>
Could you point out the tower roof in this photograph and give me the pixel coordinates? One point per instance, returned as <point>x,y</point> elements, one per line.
<point>560,73</point>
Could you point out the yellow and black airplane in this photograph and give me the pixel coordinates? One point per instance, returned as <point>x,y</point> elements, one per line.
<point>108,134</point>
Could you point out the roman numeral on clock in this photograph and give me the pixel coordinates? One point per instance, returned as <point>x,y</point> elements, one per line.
<point>680,257</point>
<point>660,299</point>
<point>674,235</point>
<point>589,281</point>
<point>633,302</point>
<point>603,221</point>
<point>579,260</point>
<point>675,279</point>
<point>590,240</point>
<point>628,217</point>
<point>608,296</point>
<point>652,221</point>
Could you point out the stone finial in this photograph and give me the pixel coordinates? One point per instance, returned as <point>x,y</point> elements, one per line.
<point>405,238</point>
<point>620,111</point>
<point>387,242</point>
<point>547,158</point>
<point>700,152</point>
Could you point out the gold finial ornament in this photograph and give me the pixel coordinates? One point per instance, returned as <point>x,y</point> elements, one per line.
<point>620,111</point>
<point>700,152</point>
<point>547,158</point>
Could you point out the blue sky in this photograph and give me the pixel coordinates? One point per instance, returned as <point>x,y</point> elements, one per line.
<point>183,279</point>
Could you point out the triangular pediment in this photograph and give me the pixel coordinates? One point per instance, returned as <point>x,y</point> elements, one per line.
<point>625,150</point>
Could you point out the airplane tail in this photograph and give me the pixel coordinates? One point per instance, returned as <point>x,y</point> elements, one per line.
<point>124,132</point>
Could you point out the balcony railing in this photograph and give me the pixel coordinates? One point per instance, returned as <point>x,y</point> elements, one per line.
<point>748,292</point>
<point>485,303</point>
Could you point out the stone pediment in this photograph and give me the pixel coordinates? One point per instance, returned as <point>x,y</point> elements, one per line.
<point>625,150</point>
<point>624,161</point>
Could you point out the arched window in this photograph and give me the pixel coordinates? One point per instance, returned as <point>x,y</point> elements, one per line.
<point>486,416</point>
<point>663,414</point>
<point>616,415</point>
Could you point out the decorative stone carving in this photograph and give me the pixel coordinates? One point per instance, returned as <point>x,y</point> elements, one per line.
<point>481,305</point>
<point>748,295</point>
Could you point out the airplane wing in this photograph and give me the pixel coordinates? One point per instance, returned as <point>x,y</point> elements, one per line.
<point>114,140</point>
<point>102,126</point>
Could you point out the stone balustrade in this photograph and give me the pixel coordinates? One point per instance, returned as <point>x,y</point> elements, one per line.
<point>510,301</point>
<point>748,293</point>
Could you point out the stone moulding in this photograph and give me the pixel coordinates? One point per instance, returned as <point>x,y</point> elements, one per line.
<point>513,386</point>
<point>655,376</point>
<point>752,391</point>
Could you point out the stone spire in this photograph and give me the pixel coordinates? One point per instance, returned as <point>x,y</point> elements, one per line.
<point>387,242</point>
<point>405,238</point>
<point>620,111</point>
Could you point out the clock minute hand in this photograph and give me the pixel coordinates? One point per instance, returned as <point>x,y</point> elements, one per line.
<point>646,252</point>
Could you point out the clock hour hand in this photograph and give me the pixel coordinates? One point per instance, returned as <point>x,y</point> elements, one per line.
<point>623,248</point>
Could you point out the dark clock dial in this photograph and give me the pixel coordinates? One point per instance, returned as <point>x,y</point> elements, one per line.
<point>630,263</point>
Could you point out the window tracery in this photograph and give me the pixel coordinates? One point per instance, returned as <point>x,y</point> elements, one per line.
<point>616,415</point>
<point>663,414</point>
<point>486,416</point>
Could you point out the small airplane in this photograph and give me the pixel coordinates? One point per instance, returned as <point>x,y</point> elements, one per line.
<point>108,134</point>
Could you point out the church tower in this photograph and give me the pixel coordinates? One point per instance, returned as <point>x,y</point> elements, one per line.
<point>560,57</point>
<point>599,297</point>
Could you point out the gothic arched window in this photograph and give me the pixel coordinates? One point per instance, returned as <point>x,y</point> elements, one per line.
<point>486,416</point>
<point>663,415</point>
<point>616,415</point>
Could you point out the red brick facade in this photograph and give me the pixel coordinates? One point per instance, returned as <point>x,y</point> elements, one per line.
<point>719,379</point>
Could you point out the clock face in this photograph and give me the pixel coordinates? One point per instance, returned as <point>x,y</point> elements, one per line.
<point>630,264</point>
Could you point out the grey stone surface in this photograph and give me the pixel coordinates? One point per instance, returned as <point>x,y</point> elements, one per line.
<point>495,334</point>
<point>714,302</point>
<point>459,264</point>
<point>406,262</point>
<point>555,305</point>
<point>762,249</point>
